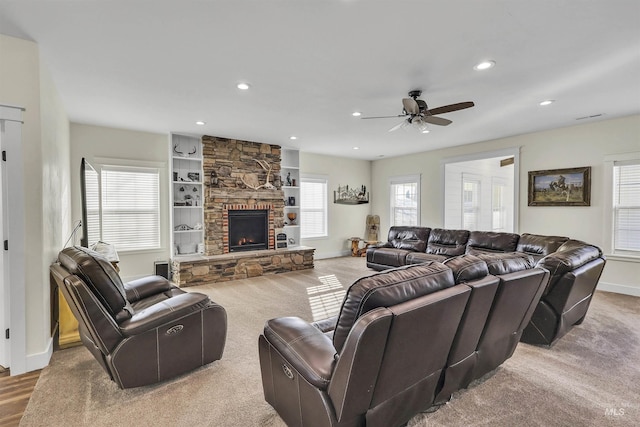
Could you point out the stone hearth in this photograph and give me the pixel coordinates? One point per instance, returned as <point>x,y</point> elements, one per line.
<point>200,270</point>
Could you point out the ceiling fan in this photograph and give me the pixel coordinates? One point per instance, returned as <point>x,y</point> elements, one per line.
<point>418,114</point>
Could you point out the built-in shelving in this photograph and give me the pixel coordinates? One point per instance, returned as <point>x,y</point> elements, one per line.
<point>187,195</point>
<point>290,171</point>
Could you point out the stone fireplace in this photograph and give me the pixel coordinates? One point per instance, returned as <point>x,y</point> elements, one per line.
<point>228,164</point>
<point>231,167</point>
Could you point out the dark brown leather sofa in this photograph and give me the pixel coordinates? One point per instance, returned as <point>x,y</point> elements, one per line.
<point>575,268</point>
<point>140,332</point>
<point>404,340</point>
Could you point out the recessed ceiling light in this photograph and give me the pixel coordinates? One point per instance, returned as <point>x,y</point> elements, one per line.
<point>356,114</point>
<point>292,137</point>
<point>485,65</point>
<point>547,102</point>
<point>201,123</point>
<point>425,131</point>
<point>356,148</point>
<point>243,86</point>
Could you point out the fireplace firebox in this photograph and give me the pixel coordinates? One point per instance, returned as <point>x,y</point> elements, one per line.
<point>248,230</point>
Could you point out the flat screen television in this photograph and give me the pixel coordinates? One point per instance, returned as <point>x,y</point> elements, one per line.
<point>89,193</point>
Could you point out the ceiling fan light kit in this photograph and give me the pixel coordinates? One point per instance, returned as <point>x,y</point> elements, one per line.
<point>417,114</point>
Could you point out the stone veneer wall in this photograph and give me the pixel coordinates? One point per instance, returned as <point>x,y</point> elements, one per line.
<point>231,160</point>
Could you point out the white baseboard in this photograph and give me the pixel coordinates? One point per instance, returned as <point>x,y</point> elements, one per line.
<point>40,360</point>
<point>619,289</point>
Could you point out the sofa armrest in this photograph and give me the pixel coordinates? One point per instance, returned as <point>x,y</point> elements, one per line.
<point>570,256</point>
<point>309,351</point>
<point>163,312</point>
<point>142,288</point>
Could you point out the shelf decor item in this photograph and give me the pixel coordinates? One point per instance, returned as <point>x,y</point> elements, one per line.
<point>351,196</point>
<point>292,218</point>
<point>560,187</point>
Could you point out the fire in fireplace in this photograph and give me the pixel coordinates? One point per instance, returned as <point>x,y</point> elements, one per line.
<point>248,230</point>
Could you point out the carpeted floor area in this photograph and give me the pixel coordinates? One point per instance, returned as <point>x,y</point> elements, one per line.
<point>590,378</point>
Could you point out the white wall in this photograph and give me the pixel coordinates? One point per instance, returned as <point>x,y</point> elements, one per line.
<point>45,148</point>
<point>576,146</point>
<point>92,142</point>
<point>344,221</point>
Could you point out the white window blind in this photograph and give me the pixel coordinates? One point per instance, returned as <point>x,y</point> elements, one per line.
<point>130,207</point>
<point>405,200</point>
<point>313,207</point>
<point>626,206</point>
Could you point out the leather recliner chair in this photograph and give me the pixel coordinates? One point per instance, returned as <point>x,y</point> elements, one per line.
<point>575,269</point>
<point>504,292</point>
<point>379,364</point>
<point>141,332</point>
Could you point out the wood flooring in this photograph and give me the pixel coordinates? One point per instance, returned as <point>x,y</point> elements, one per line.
<point>14,395</point>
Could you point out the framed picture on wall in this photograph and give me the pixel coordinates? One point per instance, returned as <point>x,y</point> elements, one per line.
<point>560,187</point>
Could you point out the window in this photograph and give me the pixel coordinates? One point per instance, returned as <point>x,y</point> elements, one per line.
<point>129,208</point>
<point>470,202</point>
<point>626,207</point>
<point>498,204</point>
<point>405,200</point>
<point>313,206</point>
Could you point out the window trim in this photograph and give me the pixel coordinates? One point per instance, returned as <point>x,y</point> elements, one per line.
<point>118,163</point>
<point>608,232</point>
<point>406,179</point>
<point>325,180</point>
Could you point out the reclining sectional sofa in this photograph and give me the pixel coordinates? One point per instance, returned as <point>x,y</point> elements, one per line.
<point>575,268</point>
<point>405,339</point>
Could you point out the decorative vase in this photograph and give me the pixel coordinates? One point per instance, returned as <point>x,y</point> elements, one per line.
<point>292,218</point>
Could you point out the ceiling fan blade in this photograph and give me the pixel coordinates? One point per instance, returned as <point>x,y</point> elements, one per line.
<point>450,108</point>
<point>384,117</point>
<point>410,106</point>
<point>440,121</point>
<point>399,125</point>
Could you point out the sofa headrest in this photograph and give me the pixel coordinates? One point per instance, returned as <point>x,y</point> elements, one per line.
<point>537,244</point>
<point>100,276</point>
<point>491,241</point>
<point>386,289</point>
<point>499,264</point>
<point>467,268</point>
<point>410,238</point>
<point>447,242</point>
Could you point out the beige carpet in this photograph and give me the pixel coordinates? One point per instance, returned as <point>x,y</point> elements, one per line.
<point>590,378</point>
